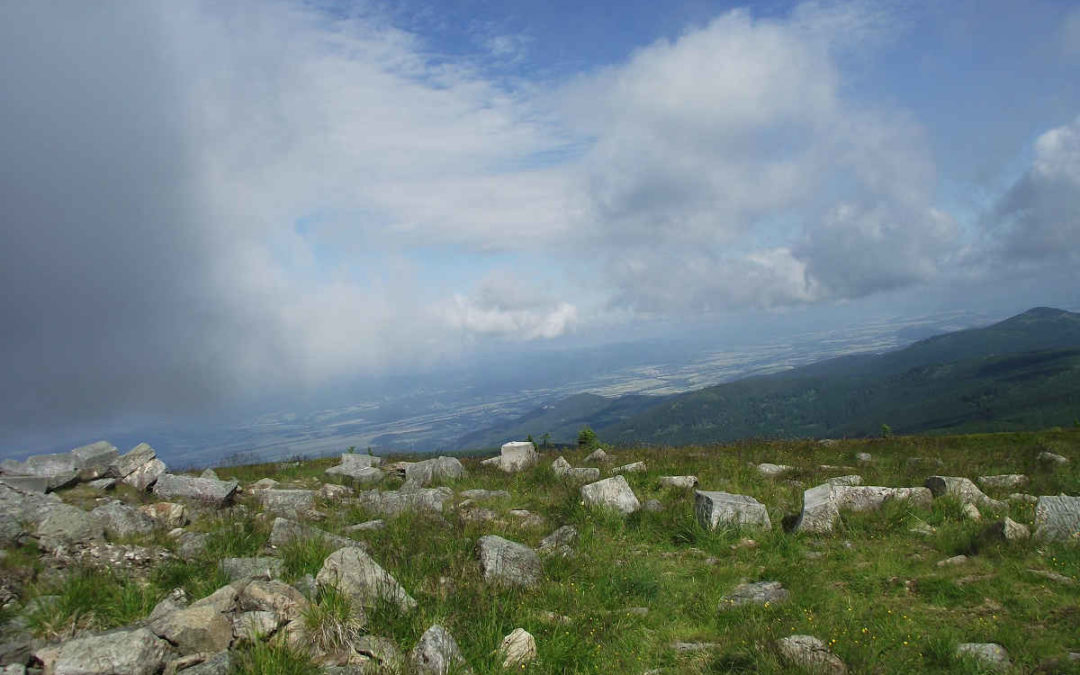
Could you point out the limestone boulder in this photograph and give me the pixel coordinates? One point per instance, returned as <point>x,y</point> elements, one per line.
<point>208,491</point>
<point>480,495</point>
<point>514,457</point>
<point>64,525</point>
<point>1057,518</point>
<point>432,471</point>
<point>561,468</point>
<point>507,562</point>
<point>560,541</point>
<point>716,509</point>
<point>773,470</point>
<point>611,493</point>
<point>95,460</point>
<point>166,514</point>
<point>849,480</point>
<point>353,572</point>
<point>144,477</point>
<point>138,652</point>
<point>597,456</point>
<point>962,489</point>
<point>278,597</point>
<point>198,628</point>
<point>1007,529</point>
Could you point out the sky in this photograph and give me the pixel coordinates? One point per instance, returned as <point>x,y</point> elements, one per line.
<point>205,204</point>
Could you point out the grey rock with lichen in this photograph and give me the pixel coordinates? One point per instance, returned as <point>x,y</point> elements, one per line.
<point>611,493</point>
<point>714,509</point>
<point>508,562</point>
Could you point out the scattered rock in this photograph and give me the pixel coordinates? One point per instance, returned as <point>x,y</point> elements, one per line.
<point>508,562</point>
<point>1054,576</point>
<point>138,652</point>
<point>988,654</point>
<point>249,568</point>
<point>437,652</point>
<point>561,541</point>
<point>611,493</point>
<point>863,458</point>
<point>714,509</point>
<point>527,519</point>
<point>40,484</point>
<point>209,473</point>
<point>679,482</point>
<point>254,626</point>
<point>434,470</point>
<point>517,649</point>
<point>368,526</point>
<point>1052,458</point>
<point>166,514</point>
<point>822,504</point>
<point>202,627</point>
<point>953,561</point>
<point>102,484</point>
<point>652,506</point>
<point>562,469</point>
<point>962,489</point>
<point>922,528</point>
<point>756,593</point>
<point>206,490</point>
<point>849,480</point>
<point>633,467</point>
<point>64,525</point>
<point>773,470</point>
<point>1007,529</point>
<point>285,531</point>
<point>1005,480</point>
<point>120,520</point>
<point>355,574</point>
<point>971,512</point>
<point>334,493</point>
<point>191,545</point>
<point>1057,518</point>
<point>287,503</point>
<point>693,647</point>
<point>267,595</point>
<point>263,484</point>
<point>392,503</point>
<point>514,457</point>
<point>806,651</point>
<point>597,456</point>
<point>1022,498</point>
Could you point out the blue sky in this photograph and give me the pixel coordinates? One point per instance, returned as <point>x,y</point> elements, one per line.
<point>207,202</point>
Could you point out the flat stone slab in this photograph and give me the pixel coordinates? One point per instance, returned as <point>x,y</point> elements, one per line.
<point>611,493</point>
<point>358,475</point>
<point>436,470</point>
<point>1057,518</point>
<point>207,490</point>
<point>391,503</point>
<point>138,652</point>
<point>715,509</point>
<point>772,470</point>
<point>633,467</point>
<point>288,503</point>
<point>755,593</point>
<point>284,532</point>
<point>1004,480</point>
<point>485,494</point>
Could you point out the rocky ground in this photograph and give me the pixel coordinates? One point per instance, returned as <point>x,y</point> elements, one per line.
<point>957,554</point>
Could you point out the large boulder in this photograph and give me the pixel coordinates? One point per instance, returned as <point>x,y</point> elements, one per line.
<point>59,470</point>
<point>166,514</point>
<point>95,460</point>
<point>434,470</point>
<point>514,457</point>
<point>120,520</point>
<point>353,572</point>
<point>217,493</point>
<point>822,504</point>
<point>714,509</point>
<point>962,489</point>
<point>138,652</point>
<point>597,456</point>
<point>138,468</point>
<point>611,493</point>
<point>809,653</point>
<point>284,531</point>
<point>202,627</point>
<point>508,562</point>
<point>560,541</point>
<point>437,653</point>
<point>64,525</point>
<point>391,503</point>
<point>146,475</point>
<point>1057,518</point>
<point>287,503</point>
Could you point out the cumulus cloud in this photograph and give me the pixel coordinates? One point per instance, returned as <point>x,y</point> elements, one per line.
<point>1038,219</point>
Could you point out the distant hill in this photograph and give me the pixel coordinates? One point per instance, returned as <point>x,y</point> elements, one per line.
<point>1023,372</point>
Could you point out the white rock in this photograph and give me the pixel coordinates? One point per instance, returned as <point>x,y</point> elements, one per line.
<point>714,509</point>
<point>517,649</point>
<point>611,493</point>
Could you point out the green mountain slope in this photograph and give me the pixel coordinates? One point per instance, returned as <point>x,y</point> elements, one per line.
<point>1023,372</point>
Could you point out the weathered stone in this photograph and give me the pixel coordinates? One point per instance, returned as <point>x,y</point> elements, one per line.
<point>360,460</point>
<point>810,653</point>
<point>166,514</point>
<point>392,503</point>
<point>514,457</point>
<point>597,456</point>
<point>285,531</point>
<point>485,494</point>
<point>1057,518</point>
<point>953,561</point>
<point>120,520</point>
<point>679,482</point>
<point>102,484</point>
<point>633,467</point>
<point>198,628</point>
<point>262,595</point>
<point>773,470</point>
<point>1022,498</point>
<point>58,464</point>
<point>517,649</point>
<point>263,484</point>
<point>562,469</point>
<point>222,600</point>
<point>356,474</point>
<point>209,473</point>
<point>368,526</point>
<point>611,493</point>
<point>255,625</point>
<point>822,504</point>
<point>962,489</point>
<point>1052,458</point>
<point>1005,480</point>
<point>849,480</point>
<point>560,541</point>
<point>507,562</point>
<point>1008,529</point>
<point>971,512</point>
<point>191,545</point>
<point>95,460</point>
<point>143,477</point>
<point>652,506</point>
<point>212,492</point>
<point>988,654</point>
<point>123,465</point>
<point>210,664</point>
<point>249,568</point>
<point>40,484</point>
<point>138,652</point>
<point>287,503</point>
<point>863,457</point>
<point>435,470</point>
<point>437,653</point>
<point>354,573</point>
<point>64,525</point>
<point>383,651</point>
<point>714,509</point>
<point>756,593</point>
<point>334,493</point>
<point>173,602</point>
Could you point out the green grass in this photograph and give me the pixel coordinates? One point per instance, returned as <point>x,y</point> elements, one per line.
<point>871,589</point>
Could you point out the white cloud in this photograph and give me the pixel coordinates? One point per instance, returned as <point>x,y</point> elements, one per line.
<point>506,305</point>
